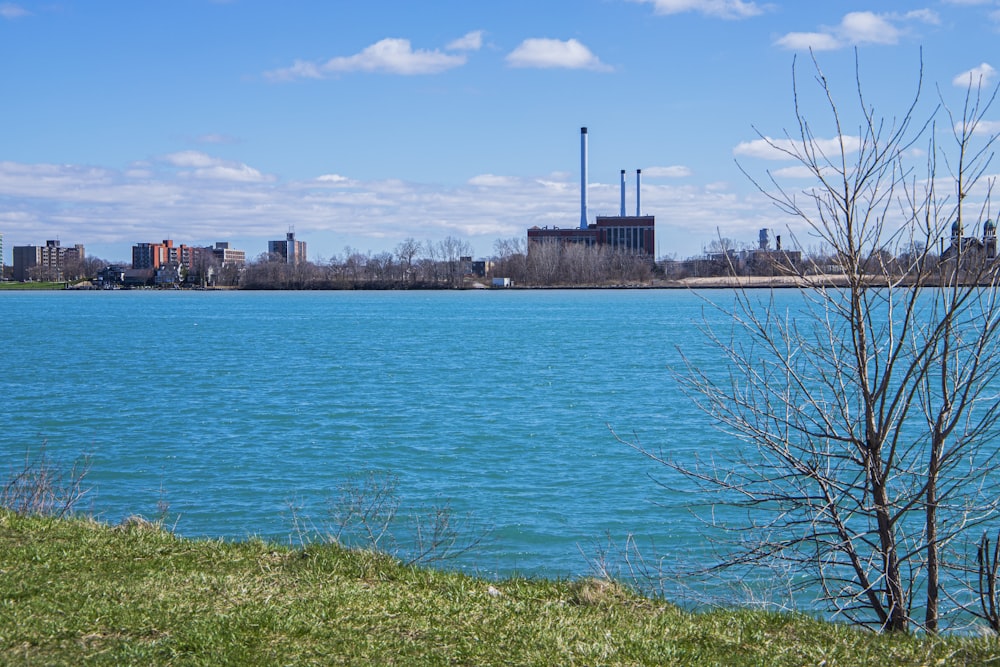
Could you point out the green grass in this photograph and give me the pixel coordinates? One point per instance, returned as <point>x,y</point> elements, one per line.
<point>79,592</point>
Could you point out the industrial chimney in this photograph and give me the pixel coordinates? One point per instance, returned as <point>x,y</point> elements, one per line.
<point>583,178</point>
<point>638,187</point>
<point>622,214</point>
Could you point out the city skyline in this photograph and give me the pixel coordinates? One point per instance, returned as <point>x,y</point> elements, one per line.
<point>367,124</point>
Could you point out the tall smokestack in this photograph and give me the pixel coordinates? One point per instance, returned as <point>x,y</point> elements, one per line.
<point>622,214</point>
<point>583,178</point>
<point>638,189</point>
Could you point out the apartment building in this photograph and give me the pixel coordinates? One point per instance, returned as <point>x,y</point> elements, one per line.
<point>51,261</point>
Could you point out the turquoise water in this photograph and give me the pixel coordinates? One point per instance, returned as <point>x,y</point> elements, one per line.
<point>230,405</point>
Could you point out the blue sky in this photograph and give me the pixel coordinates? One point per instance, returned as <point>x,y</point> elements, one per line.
<point>360,124</point>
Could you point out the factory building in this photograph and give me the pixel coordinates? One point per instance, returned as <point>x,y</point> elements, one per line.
<point>635,233</point>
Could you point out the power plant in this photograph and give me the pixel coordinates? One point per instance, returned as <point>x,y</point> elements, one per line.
<point>635,234</point>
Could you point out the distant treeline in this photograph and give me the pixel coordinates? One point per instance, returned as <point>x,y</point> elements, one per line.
<point>449,265</point>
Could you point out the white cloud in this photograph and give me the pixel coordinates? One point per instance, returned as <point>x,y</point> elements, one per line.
<point>190,159</point>
<point>798,171</point>
<point>206,166</point>
<point>977,76</point>
<point>395,56</point>
<point>676,171</point>
<point>928,16</point>
<point>335,179</point>
<point>300,69</point>
<point>801,41</point>
<point>390,56</point>
<point>857,28</point>
<point>472,41</point>
<point>726,9</point>
<point>10,11</point>
<point>985,128</point>
<point>867,28</point>
<point>554,53</point>
<point>492,181</point>
<point>768,148</point>
<point>109,210</point>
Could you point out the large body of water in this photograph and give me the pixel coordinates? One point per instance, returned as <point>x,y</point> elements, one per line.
<point>229,405</point>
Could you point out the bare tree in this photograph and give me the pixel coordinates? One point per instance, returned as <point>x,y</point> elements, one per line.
<point>406,252</point>
<point>868,410</point>
<point>451,250</point>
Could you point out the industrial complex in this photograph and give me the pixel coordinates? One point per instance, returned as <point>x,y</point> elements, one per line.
<point>630,233</point>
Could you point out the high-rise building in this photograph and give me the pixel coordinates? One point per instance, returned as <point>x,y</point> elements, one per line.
<point>155,255</point>
<point>290,250</point>
<point>48,262</point>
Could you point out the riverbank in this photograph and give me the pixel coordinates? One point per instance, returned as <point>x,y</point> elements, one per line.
<point>76,591</point>
<point>710,282</point>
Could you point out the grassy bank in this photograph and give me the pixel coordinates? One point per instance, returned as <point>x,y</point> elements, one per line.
<point>75,592</point>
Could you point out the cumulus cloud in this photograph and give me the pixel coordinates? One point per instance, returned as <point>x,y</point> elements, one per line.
<point>868,28</point>
<point>553,53</point>
<point>725,9</point>
<point>977,76</point>
<point>10,11</point>
<point>389,56</point>
<point>858,28</point>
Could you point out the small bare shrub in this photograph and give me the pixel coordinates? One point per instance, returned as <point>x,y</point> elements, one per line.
<point>44,487</point>
<point>366,514</point>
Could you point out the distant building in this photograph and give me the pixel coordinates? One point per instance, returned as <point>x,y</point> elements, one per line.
<point>970,247</point>
<point>168,274</point>
<point>111,276</point>
<point>155,255</point>
<point>290,250</point>
<point>630,233</point>
<point>165,263</point>
<point>230,256</point>
<point>137,277</point>
<point>49,262</point>
<point>481,267</point>
<point>764,261</point>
